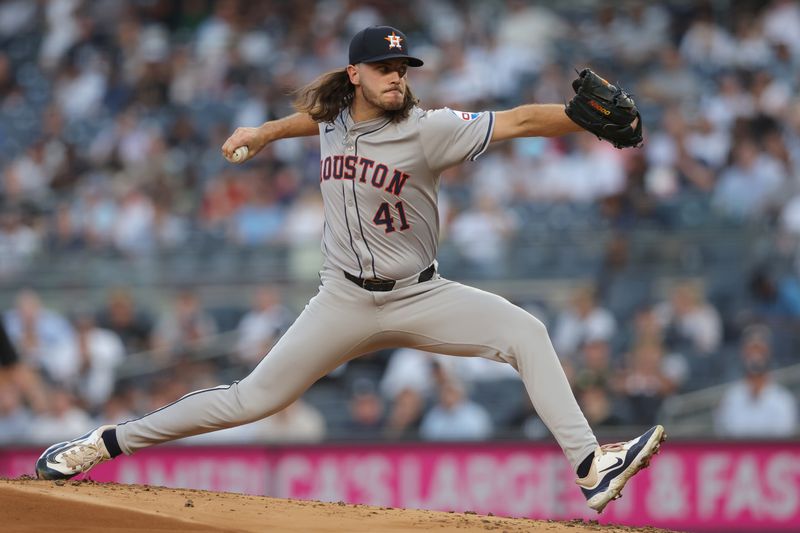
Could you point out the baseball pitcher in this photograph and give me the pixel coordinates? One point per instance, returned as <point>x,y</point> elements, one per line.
<point>381,157</point>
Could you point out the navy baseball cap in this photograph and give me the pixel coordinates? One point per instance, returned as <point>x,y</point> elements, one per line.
<point>377,43</point>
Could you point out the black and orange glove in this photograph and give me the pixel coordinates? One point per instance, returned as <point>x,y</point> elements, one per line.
<point>605,110</point>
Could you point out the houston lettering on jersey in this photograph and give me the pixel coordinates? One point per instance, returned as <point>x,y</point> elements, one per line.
<point>364,170</point>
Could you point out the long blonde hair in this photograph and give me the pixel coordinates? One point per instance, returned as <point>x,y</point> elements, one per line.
<point>324,98</point>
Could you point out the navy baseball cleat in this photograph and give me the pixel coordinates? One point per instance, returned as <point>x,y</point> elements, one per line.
<point>615,464</point>
<point>68,459</point>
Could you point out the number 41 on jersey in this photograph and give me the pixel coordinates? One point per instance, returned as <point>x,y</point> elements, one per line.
<point>384,217</point>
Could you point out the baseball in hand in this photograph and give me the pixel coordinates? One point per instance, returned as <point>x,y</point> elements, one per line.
<point>240,154</point>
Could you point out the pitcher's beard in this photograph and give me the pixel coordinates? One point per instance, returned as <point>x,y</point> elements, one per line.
<point>375,100</point>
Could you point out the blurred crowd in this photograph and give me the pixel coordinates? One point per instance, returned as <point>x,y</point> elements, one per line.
<point>112,115</point>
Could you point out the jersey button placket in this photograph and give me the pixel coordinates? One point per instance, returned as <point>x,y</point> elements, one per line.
<point>355,232</point>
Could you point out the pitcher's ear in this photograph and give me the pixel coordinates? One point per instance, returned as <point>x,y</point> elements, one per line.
<point>352,73</point>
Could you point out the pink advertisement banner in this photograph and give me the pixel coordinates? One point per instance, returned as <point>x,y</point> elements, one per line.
<point>689,487</point>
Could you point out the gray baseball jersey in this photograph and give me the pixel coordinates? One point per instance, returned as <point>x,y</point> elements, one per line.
<point>379,182</point>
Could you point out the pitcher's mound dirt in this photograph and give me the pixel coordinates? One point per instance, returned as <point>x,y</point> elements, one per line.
<point>28,505</point>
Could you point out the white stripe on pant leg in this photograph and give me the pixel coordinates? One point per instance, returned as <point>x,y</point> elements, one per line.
<point>218,387</point>
<point>195,413</point>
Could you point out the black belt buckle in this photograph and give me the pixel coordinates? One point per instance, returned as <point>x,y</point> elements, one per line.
<point>379,285</point>
<point>385,285</point>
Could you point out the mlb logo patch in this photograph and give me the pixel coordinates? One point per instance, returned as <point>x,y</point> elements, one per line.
<point>463,115</point>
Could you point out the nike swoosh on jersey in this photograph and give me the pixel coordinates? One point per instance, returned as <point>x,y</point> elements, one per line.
<point>619,462</point>
<point>329,129</point>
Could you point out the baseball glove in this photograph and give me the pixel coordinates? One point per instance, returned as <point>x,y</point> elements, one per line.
<point>605,110</point>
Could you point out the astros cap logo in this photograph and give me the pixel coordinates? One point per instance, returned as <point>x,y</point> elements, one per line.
<point>369,46</point>
<point>394,40</point>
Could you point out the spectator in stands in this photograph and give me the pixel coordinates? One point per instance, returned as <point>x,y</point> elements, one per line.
<point>164,388</point>
<point>44,338</point>
<point>18,244</point>
<point>507,171</point>
<point>692,325</point>
<point>182,328</point>
<point>706,45</point>
<point>299,422</point>
<point>303,230</point>
<point>97,212</point>
<point>79,89</point>
<point>593,366</point>
<point>590,172</point>
<point>261,326</point>
<point>752,47</point>
<point>225,194</point>
<point>582,321</point>
<point>597,404</point>
<point>63,418</point>
<point>749,187</point>
<point>119,407</point>
<point>8,84</point>
<point>482,233</point>
<point>28,177</point>
<point>134,224</point>
<point>530,31</point>
<point>418,371</point>
<point>729,103</point>
<point>455,416</point>
<point>593,379</point>
<point>646,326</point>
<point>772,95</point>
<point>650,376</point>
<point>782,24</point>
<point>170,229</point>
<point>184,324</point>
<point>18,375</point>
<point>65,235</point>
<point>472,370</point>
<point>773,298</point>
<point>408,369</point>
<point>461,82</point>
<point>670,81</point>
<point>122,316</point>
<point>622,287</point>
<point>756,406</point>
<point>366,411</point>
<point>260,220</point>
<point>674,165</point>
<point>15,419</point>
<point>527,421</point>
<point>405,414</point>
<point>100,352</point>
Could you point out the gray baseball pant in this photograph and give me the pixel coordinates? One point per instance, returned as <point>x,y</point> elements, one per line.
<point>344,321</point>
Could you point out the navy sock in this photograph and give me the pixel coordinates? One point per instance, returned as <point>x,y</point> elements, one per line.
<point>584,467</point>
<point>109,437</point>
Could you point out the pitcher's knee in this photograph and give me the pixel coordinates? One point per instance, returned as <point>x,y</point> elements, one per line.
<point>537,328</point>
<point>530,339</point>
<point>530,328</point>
